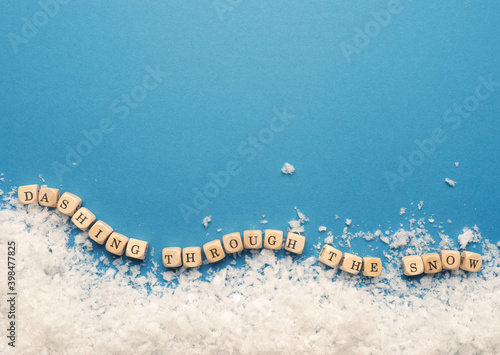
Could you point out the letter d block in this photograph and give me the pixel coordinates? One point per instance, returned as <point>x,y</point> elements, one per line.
<point>450,259</point>
<point>48,197</point>
<point>232,242</point>
<point>69,203</point>
<point>252,239</point>
<point>470,261</point>
<point>372,267</point>
<point>100,232</point>
<point>295,243</point>
<point>83,218</point>
<point>116,243</point>
<point>214,251</point>
<point>137,249</point>
<point>330,256</point>
<point>412,265</point>
<point>432,263</point>
<point>172,257</point>
<point>191,257</point>
<point>273,239</point>
<point>28,194</point>
<point>351,263</point>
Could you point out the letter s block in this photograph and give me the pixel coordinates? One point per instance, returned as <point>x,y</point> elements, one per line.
<point>137,249</point>
<point>48,197</point>
<point>69,203</point>
<point>372,267</point>
<point>295,243</point>
<point>412,265</point>
<point>28,194</point>
<point>351,263</point>
<point>116,243</point>
<point>470,261</point>
<point>214,251</point>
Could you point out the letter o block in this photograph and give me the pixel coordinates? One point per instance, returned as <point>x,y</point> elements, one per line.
<point>450,259</point>
<point>48,197</point>
<point>137,249</point>
<point>116,243</point>
<point>28,194</point>
<point>470,261</point>
<point>191,257</point>
<point>330,256</point>
<point>232,242</point>
<point>351,263</point>
<point>432,263</point>
<point>214,251</point>
<point>273,239</point>
<point>412,265</point>
<point>172,257</point>
<point>252,239</point>
<point>100,232</point>
<point>83,218</point>
<point>69,203</point>
<point>372,267</point>
<point>295,243</point>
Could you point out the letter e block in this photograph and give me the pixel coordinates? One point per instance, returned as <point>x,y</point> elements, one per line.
<point>172,257</point>
<point>191,257</point>
<point>100,232</point>
<point>351,263</point>
<point>48,197</point>
<point>69,203</point>
<point>83,218</point>
<point>372,267</point>
<point>28,194</point>
<point>273,239</point>
<point>470,261</point>
<point>330,256</point>
<point>232,242</point>
<point>116,243</point>
<point>450,259</point>
<point>295,243</point>
<point>137,249</point>
<point>412,265</point>
<point>214,251</point>
<point>252,239</point>
<point>432,263</point>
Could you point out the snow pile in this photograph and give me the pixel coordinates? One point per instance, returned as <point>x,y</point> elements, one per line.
<point>469,235</point>
<point>296,226</point>
<point>288,169</point>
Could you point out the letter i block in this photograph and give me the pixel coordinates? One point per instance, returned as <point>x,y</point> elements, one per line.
<point>28,194</point>
<point>450,259</point>
<point>83,218</point>
<point>432,263</point>
<point>470,261</point>
<point>69,203</point>
<point>330,256</point>
<point>232,242</point>
<point>172,257</point>
<point>100,232</point>
<point>137,249</point>
<point>351,263</point>
<point>48,197</point>
<point>273,239</point>
<point>295,243</point>
<point>372,266</point>
<point>252,239</point>
<point>191,257</point>
<point>214,251</point>
<point>412,265</point>
<point>116,243</point>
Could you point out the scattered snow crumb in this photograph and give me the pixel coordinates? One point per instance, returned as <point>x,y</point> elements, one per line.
<point>206,221</point>
<point>431,220</point>
<point>402,211</point>
<point>74,164</point>
<point>337,216</point>
<point>421,203</point>
<point>468,236</point>
<point>456,164</point>
<point>322,228</point>
<point>41,177</point>
<point>219,230</point>
<point>288,169</point>
<point>348,222</point>
<point>498,244</point>
<point>449,221</point>
<point>264,221</point>
<point>450,182</point>
<point>329,239</point>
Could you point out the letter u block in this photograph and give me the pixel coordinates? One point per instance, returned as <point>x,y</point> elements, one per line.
<point>172,257</point>
<point>372,267</point>
<point>432,263</point>
<point>28,194</point>
<point>191,257</point>
<point>295,243</point>
<point>273,239</point>
<point>83,218</point>
<point>351,263</point>
<point>412,265</point>
<point>100,232</point>
<point>69,203</point>
<point>116,243</point>
<point>470,261</point>
<point>330,256</point>
<point>137,249</point>
<point>450,259</point>
<point>252,239</point>
<point>232,242</point>
<point>48,197</point>
<point>214,251</point>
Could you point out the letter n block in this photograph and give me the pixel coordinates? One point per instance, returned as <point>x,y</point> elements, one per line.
<point>295,243</point>
<point>172,257</point>
<point>48,197</point>
<point>252,239</point>
<point>330,256</point>
<point>214,251</point>
<point>83,218</point>
<point>273,239</point>
<point>100,232</point>
<point>351,263</point>
<point>412,265</point>
<point>232,242</point>
<point>69,203</point>
<point>372,267</point>
<point>450,259</point>
<point>191,257</point>
<point>28,194</point>
<point>137,249</point>
<point>432,263</point>
<point>116,243</point>
<point>470,261</point>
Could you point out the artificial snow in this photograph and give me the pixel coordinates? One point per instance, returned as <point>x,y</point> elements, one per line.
<point>456,164</point>
<point>468,236</point>
<point>450,182</point>
<point>206,221</point>
<point>288,169</point>
<point>321,229</point>
<point>348,222</point>
<point>402,211</point>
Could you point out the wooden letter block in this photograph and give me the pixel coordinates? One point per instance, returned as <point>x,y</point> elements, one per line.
<point>412,265</point>
<point>450,259</point>
<point>372,266</point>
<point>470,261</point>
<point>330,256</point>
<point>214,251</point>
<point>48,197</point>
<point>100,232</point>
<point>69,203</point>
<point>273,239</point>
<point>28,194</point>
<point>252,239</point>
<point>295,243</point>
<point>432,263</point>
<point>172,257</point>
<point>137,249</point>
<point>191,257</point>
<point>232,242</point>
<point>116,243</point>
<point>83,218</point>
<point>351,263</point>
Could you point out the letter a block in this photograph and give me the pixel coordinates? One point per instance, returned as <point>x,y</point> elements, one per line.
<point>470,261</point>
<point>252,239</point>
<point>83,218</point>
<point>273,239</point>
<point>69,203</point>
<point>100,232</point>
<point>172,257</point>
<point>372,267</point>
<point>137,249</point>
<point>432,263</point>
<point>214,251</point>
<point>191,257</point>
<point>412,265</point>
<point>295,243</point>
<point>116,243</point>
<point>330,256</point>
<point>232,242</point>
<point>28,194</point>
<point>450,259</point>
<point>351,263</point>
<point>48,197</point>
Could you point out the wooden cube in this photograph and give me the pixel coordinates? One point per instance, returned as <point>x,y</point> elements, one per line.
<point>450,259</point>
<point>116,243</point>
<point>295,243</point>
<point>273,239</point>
<point>100,232</point>
<point>432,263</point>
<point>28,194</point>
<point>330,256</point>
<point>351,263</point>
<point>252,239</point>
<point>232,242</point>
<point>372,267</point>
<point>48,197</point>
<point>470,261</point>
<point>137,249</point>
<point>191,257</point>
<point>412,265</point>
<point>172,257</point>
<point>83,218</point>
<point>68,203</point>
<point>214,251</point>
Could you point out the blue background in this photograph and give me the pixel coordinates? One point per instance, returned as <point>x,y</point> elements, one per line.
<point>226,73</point>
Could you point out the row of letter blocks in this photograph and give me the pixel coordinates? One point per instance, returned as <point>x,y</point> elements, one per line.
<point>350,263</point>
<point>216,250</point>
<point>448,260</point>
<point>70,205</point>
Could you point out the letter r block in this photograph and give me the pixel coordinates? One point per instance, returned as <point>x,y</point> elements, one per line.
<point>116,243</point>
<point>470,261</point>
<point>252,239</point>
<point>412,265</point>
<point>351,263</point>
<point>191,257</point>
<point>295,243</point>
<point>69,203</point>
<point>48,197</point>
<point>273,239</point>
<point>28,194</point>
<point>432,263</point>
<point>137,249</point>
<point>372,267</point>
<point>83,218</point>
<point>172,257</point>
<point>232,242</point>
<point>330,256</point>
<point>450,259</point>
<point>214,251</point>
